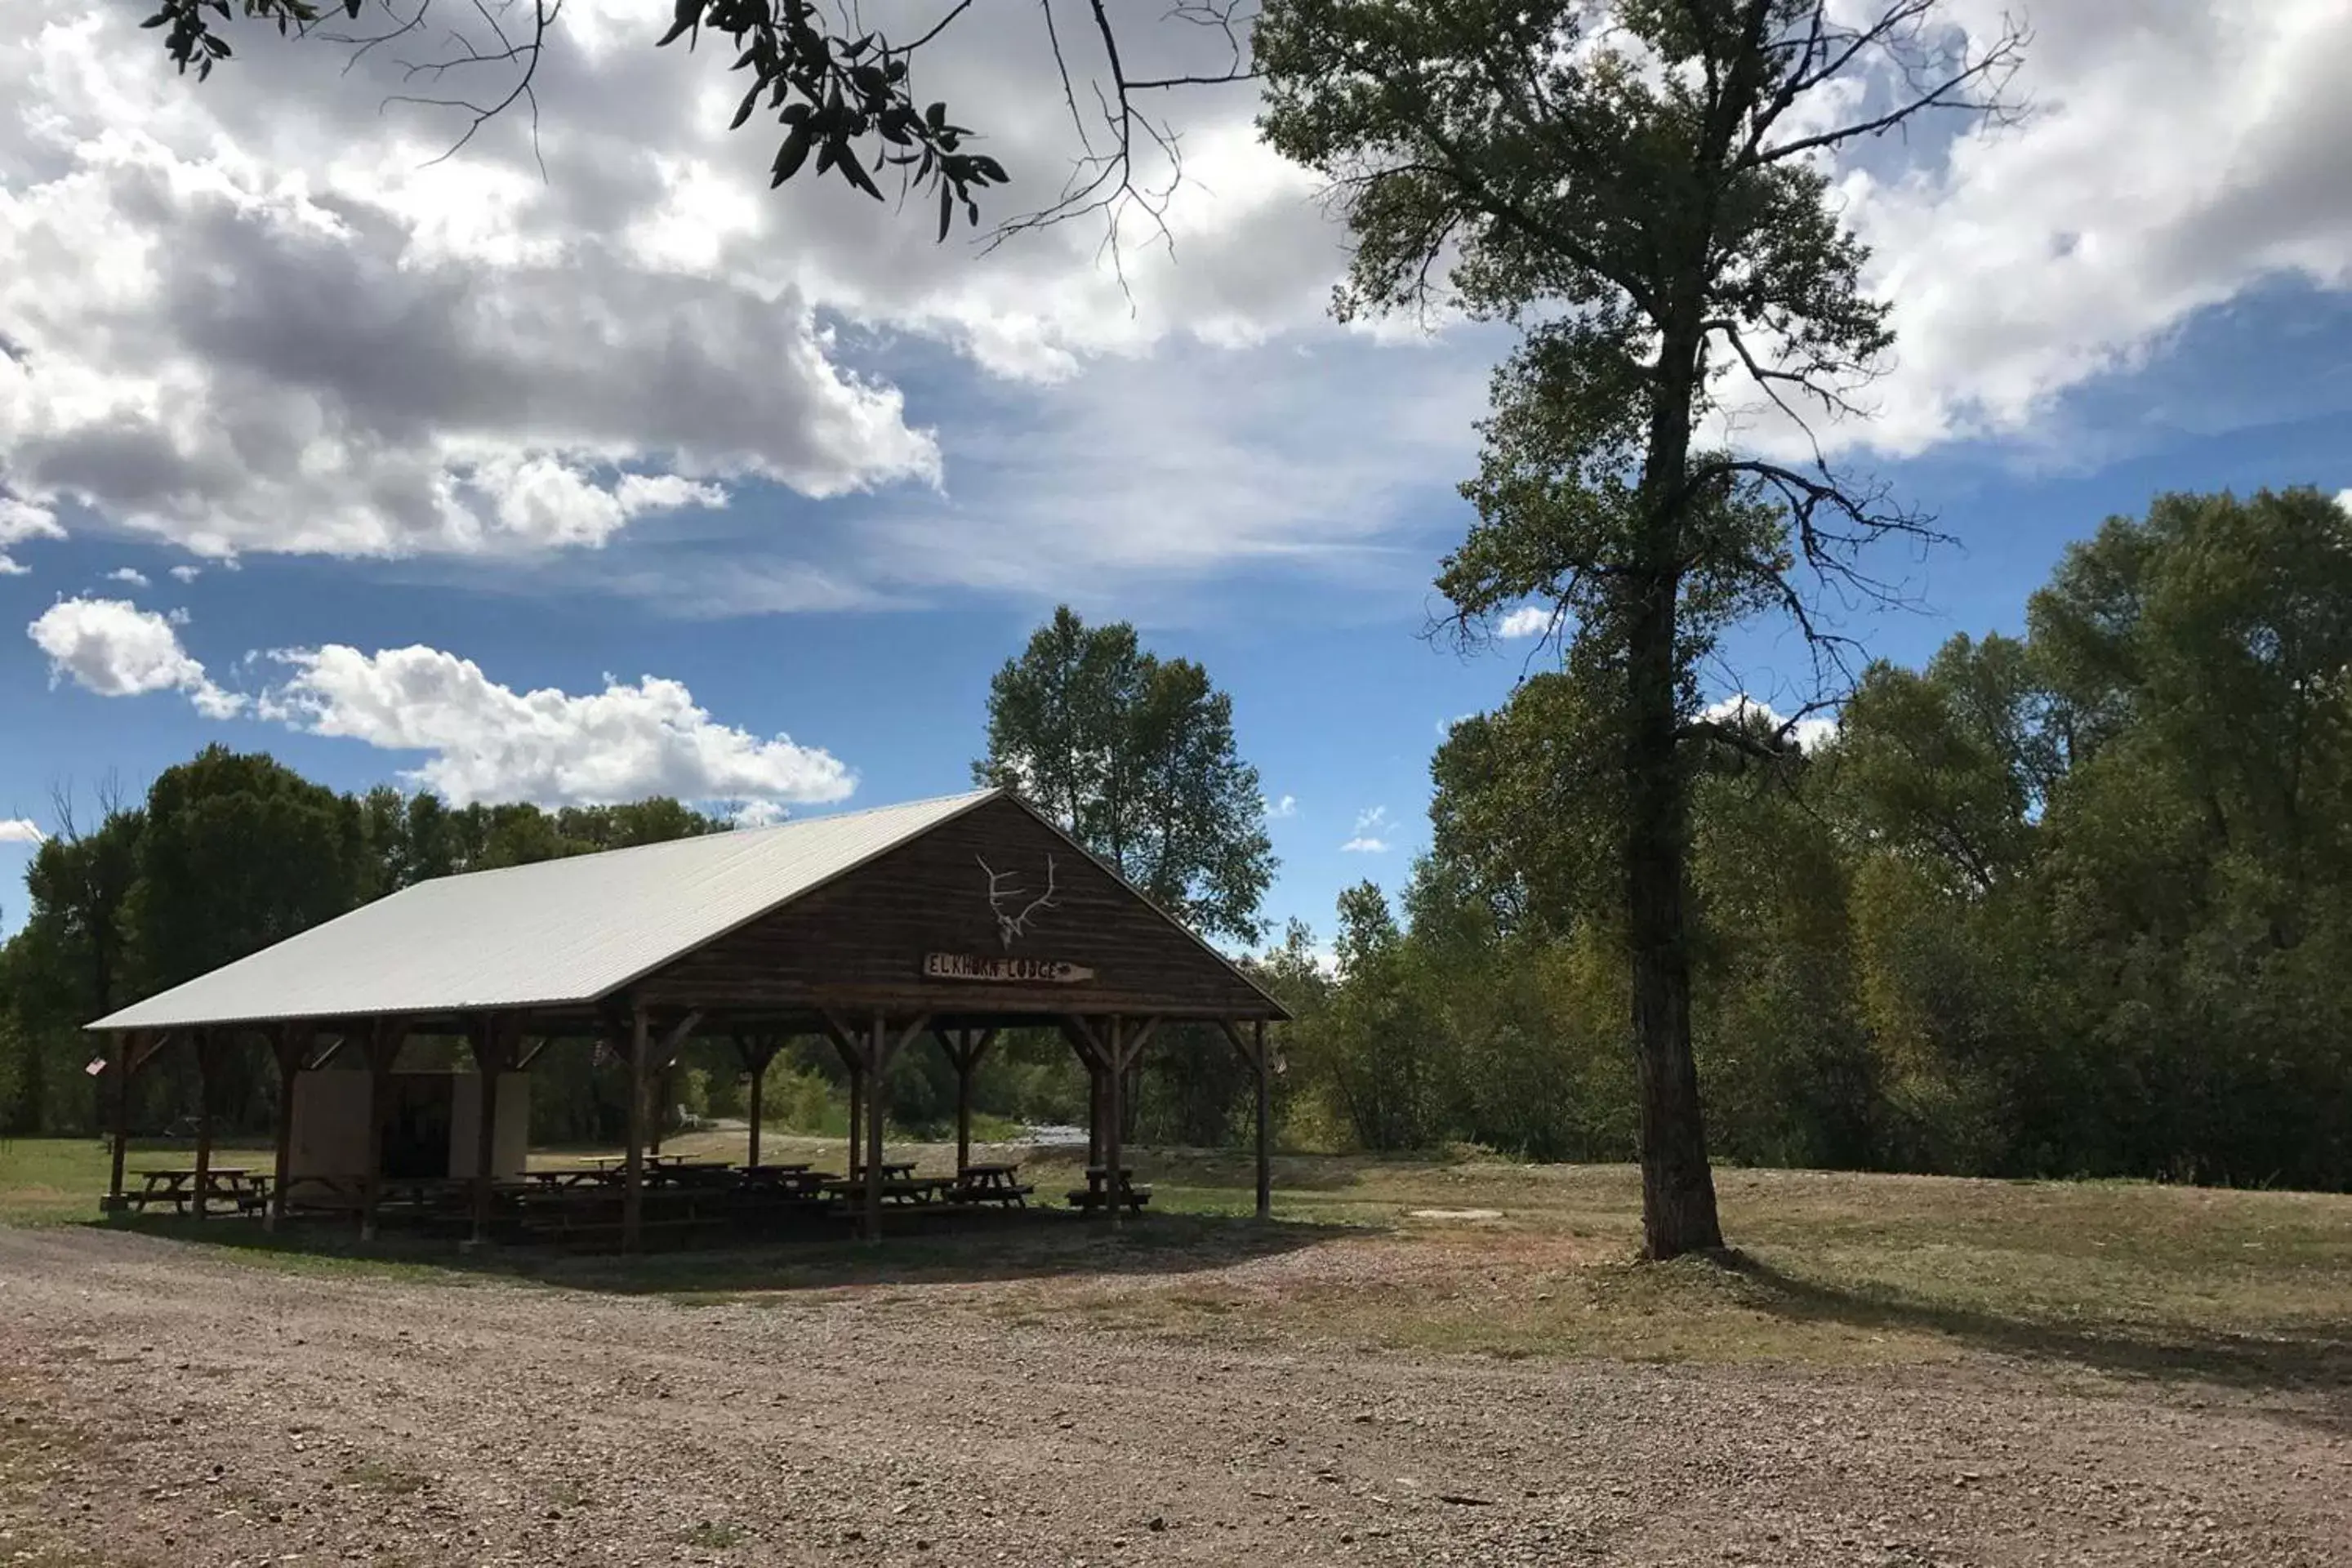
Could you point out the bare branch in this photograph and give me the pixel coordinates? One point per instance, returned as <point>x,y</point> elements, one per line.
<point>1973,83</point>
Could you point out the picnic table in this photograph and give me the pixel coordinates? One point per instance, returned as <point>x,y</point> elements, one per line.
<point>1098,1192</point>
<point>230,1185</point>
<point>795,1181</point>
<point>564,1178</point>
<point>904,1187</point>
<point>993,1184</point>
<point>683,1172</point>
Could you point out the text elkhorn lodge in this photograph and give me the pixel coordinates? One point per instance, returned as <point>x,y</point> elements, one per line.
<point>1016,971</point>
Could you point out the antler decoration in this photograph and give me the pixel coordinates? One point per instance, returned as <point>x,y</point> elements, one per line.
<point>1001,891</point>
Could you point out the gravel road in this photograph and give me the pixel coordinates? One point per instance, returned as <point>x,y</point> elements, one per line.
<point>162,1405</point>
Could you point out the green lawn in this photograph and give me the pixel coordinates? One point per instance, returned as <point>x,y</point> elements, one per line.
<point>1487,1257</point>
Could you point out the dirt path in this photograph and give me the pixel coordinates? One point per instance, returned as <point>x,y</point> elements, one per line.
<point>161,1404</point>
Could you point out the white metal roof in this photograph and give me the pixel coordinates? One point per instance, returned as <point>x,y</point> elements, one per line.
<point>545,934</point>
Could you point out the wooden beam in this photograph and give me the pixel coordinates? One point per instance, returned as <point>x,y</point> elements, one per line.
<point>665,1054</point>
<point>757,1051</point>
<point>664,1058</point>
<point>1133,1048</point>
<point>293,1043</point>
<point>848,1044</point>
<point>154,1046</point>
<point>122,1043</point>
<point>1085,1041</point>
<point>1113,1136</point>
<point>1264,1122</point>
<point>882,1050</point>
<point>492,1039</point>
<point>207,1042</point>
<point>632,1189</point>
<point>877,1045</point>
<point>384,1037</point>
<point>323,1058</point>
<point>524,1058</point>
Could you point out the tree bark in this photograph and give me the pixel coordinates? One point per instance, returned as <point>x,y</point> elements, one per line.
<point>1678,1210</point>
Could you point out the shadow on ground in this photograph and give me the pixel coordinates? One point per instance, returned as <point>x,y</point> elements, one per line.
<point>915,1249</point>
<point>2316,1361</point>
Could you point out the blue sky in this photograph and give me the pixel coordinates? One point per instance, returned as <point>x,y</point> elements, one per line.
<point>866,468</point>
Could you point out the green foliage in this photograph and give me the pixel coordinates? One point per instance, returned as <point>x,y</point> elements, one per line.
<point>1633,187</point>
<point>239,852</point>
<point>228,853</point>
<point>2079,903</point>
<point>1134,756</point>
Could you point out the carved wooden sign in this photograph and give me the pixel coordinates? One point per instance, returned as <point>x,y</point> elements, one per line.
<point>1005,971</point>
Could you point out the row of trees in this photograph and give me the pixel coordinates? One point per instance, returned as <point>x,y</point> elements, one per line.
<point>1644,192</point>
<point>226,854</point>
<point>2073,902</point>
<point>2078,902</point>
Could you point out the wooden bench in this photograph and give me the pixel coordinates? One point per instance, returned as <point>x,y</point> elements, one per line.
<point>1135,1194</point>
<point>1009,1193</point>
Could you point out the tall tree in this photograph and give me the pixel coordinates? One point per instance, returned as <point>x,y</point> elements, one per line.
<point>241,851</point>
<point>1134,756</point>
<point>1641,185</point>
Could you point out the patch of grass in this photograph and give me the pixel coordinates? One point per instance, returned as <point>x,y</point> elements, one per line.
<point>58,1181</point>
<point>2129,1278</point>
<point>715,1537</point>
<point>376,1474</point>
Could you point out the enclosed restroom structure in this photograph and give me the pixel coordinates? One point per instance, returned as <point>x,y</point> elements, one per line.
<point>943,921</point>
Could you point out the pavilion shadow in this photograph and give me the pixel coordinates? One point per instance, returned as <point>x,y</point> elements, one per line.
<point>951,1250</point>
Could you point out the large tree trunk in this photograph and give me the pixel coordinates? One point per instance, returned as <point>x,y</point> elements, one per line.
<point>1677,1188</point>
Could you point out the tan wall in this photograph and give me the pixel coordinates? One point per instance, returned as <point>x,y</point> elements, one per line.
<point>330,1129</point>
<point>330,1124</point>
<point>512,1136</point>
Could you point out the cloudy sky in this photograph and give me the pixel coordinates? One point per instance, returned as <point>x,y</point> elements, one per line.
<point>632,476</point>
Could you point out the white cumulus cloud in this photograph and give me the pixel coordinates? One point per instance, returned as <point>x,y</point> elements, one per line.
<point>1528,621</point>
<point>1371,824</point>
<point>130,575</point>
<point>2105,219</point>
<point>21,520</point>
<point>487,741</point>
<point>20,830</point>
<point>1285,807</point>
<point>114,649</point>
<point>185,573</point>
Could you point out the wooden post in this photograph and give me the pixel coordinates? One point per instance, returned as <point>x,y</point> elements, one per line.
<point>964,1056</point>
<point>857,1114</point>
<point>1264,1125</point>
<point>1094,1112</point>
<point>632,1189</point>
<point>876,1100</point>
<point>122,1043</point>
<point>207,1042</point>
<point>1114,1138</point>
<point>757,1055</point>
<point>661,1108</point>
<point>292,1044</point>
<point>489,1038</point>
<point>384,1047</point>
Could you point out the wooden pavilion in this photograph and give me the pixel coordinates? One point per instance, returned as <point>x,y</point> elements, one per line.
<point>953,918</point>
